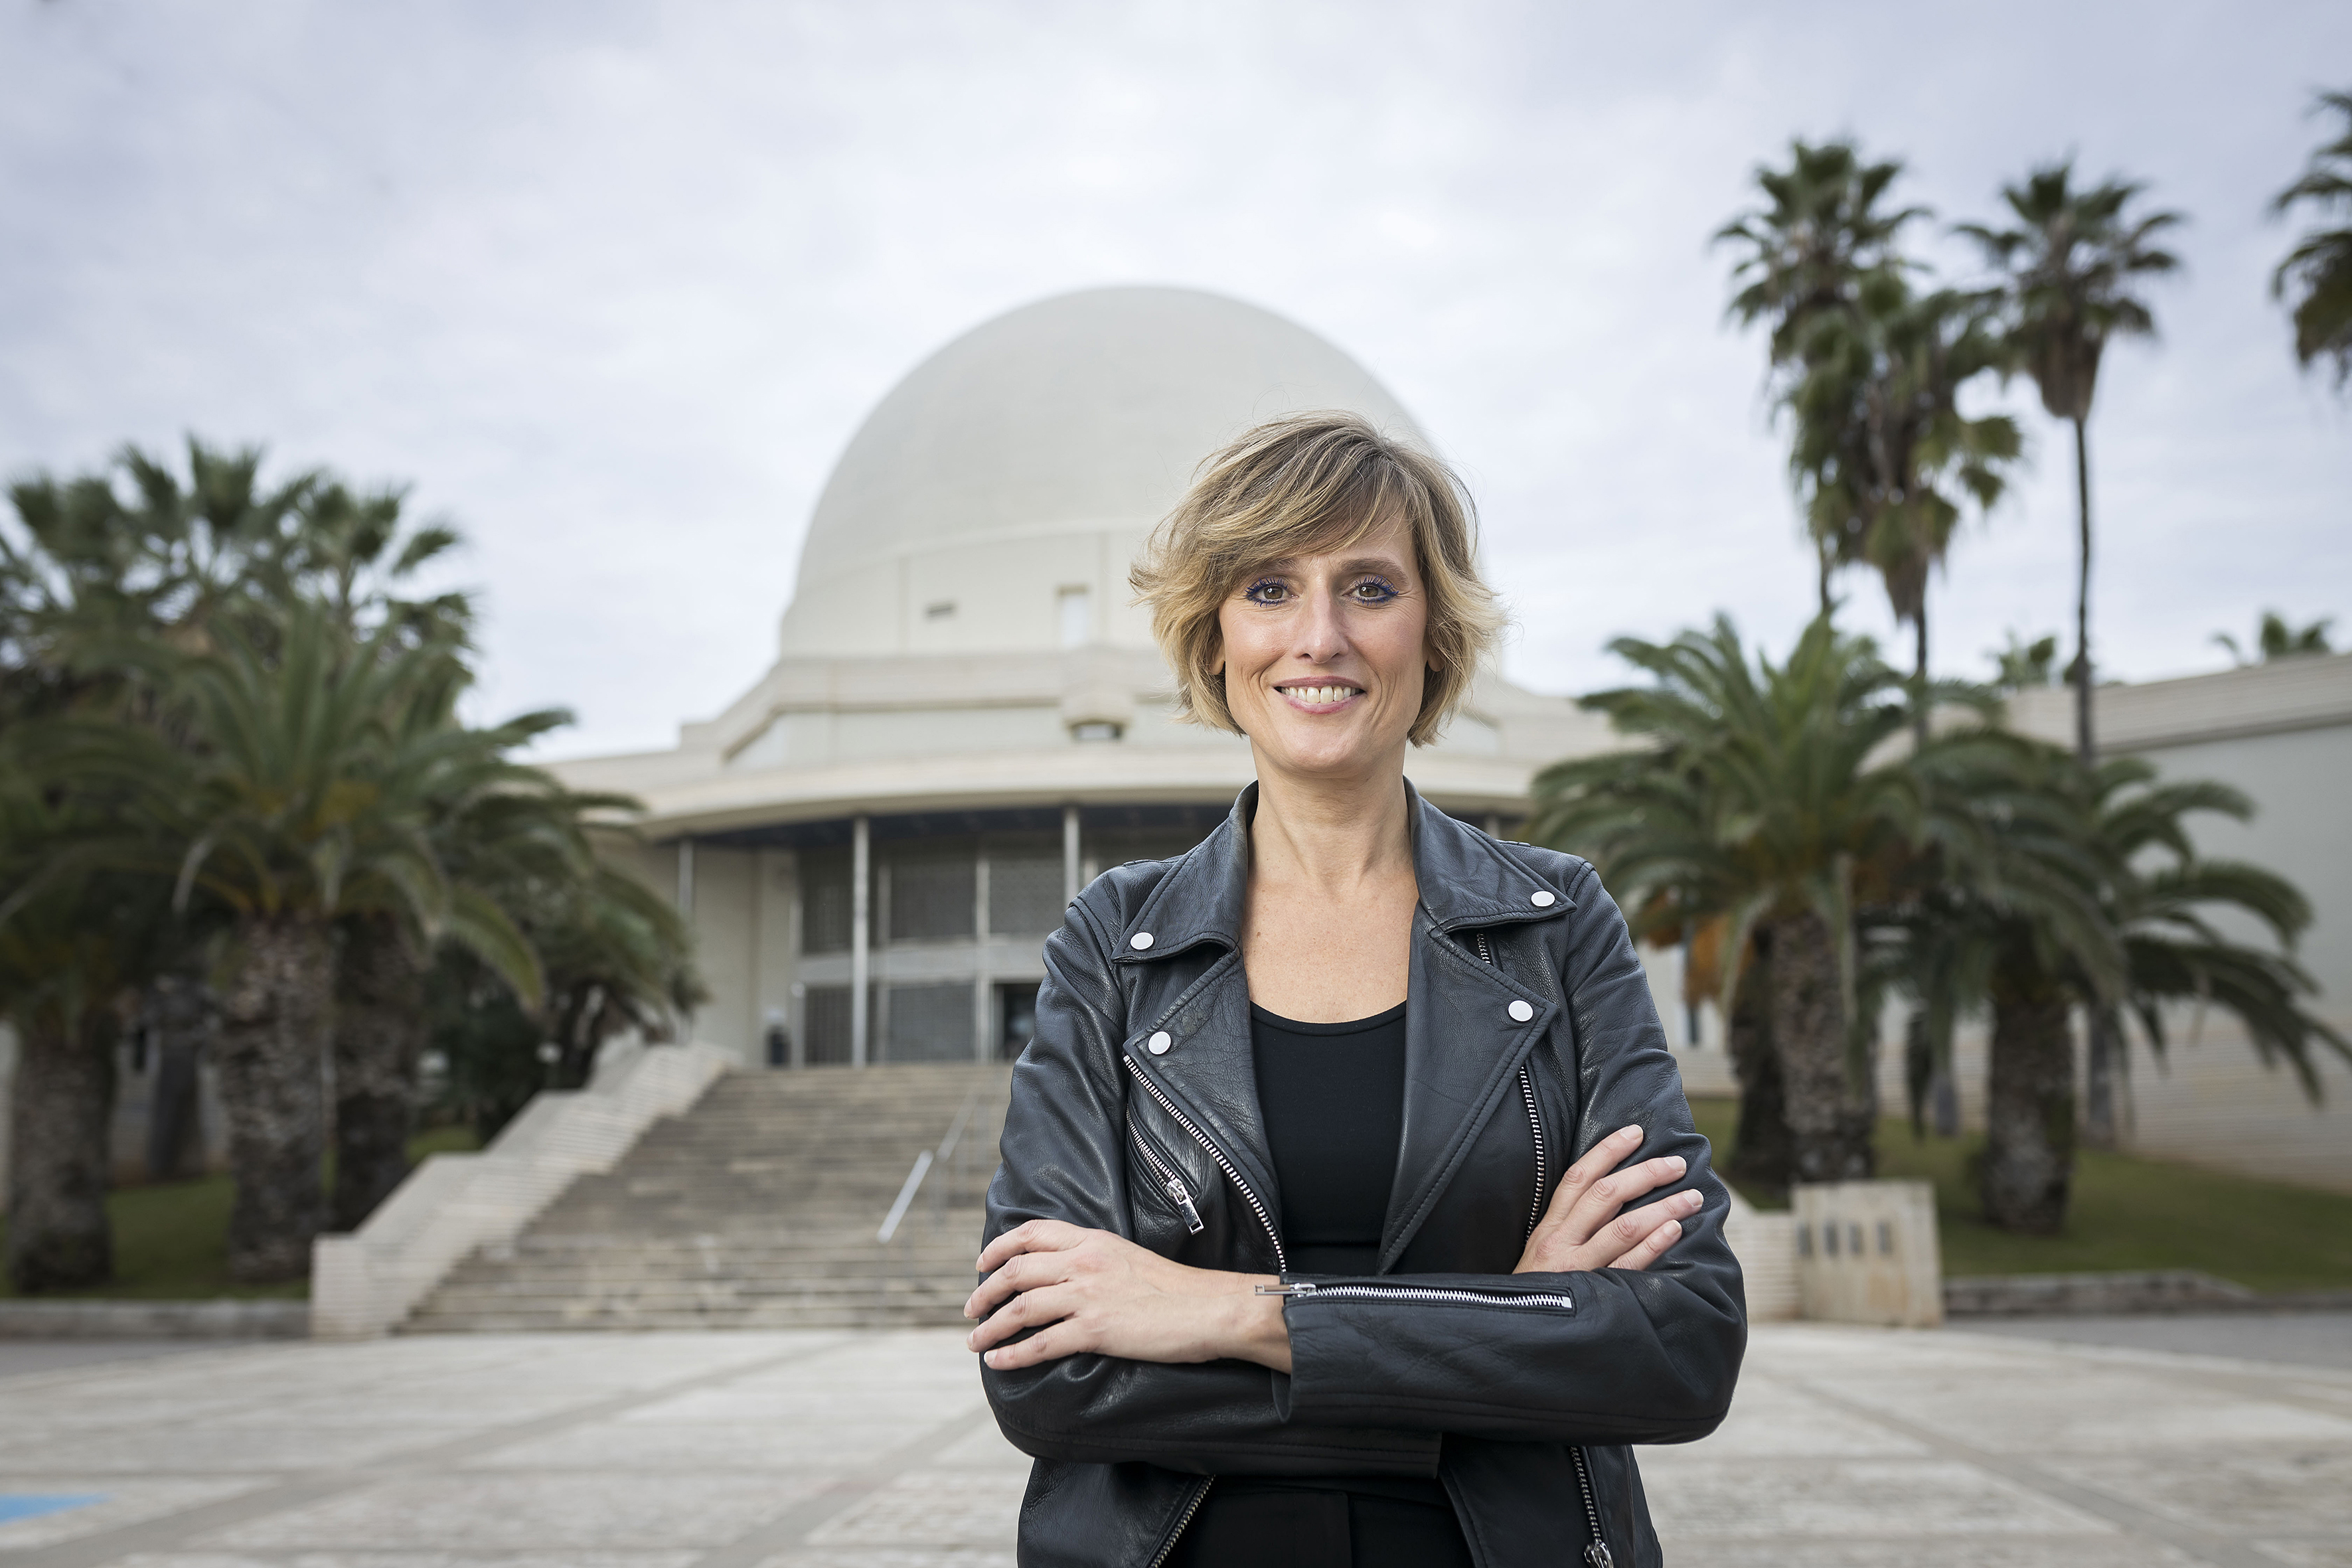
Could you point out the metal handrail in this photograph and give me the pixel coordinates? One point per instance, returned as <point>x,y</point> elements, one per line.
<point>922,1167</point>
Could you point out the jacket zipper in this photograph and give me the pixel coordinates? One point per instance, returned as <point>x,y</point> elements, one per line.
<point>1200,1496</point>
<point>1281,1258</point>
<point>1558,1299</point>
<point>1527,1098</point>
<point>1597,1554</point>
<point>1172,1185</point>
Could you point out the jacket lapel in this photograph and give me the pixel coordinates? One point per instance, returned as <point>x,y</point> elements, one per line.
<point>1463,1044</point>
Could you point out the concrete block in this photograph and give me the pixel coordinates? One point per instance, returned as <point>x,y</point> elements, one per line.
<point>1867,1253</point>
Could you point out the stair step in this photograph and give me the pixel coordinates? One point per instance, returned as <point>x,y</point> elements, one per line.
<point>756,1208</point>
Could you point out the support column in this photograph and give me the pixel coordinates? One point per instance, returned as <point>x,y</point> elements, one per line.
<point>861,861</point>
<point>1069,853</point>
<point>685,914</point>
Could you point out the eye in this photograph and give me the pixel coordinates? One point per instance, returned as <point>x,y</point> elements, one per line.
<point>1374,591</point>
<point>1266,591</point>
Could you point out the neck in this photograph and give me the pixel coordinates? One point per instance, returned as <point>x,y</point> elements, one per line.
<point>1331,834</point>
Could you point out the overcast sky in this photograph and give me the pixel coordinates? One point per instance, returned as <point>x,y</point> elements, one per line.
<point>612,284</point>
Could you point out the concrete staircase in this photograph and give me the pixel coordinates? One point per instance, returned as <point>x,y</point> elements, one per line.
<point>757,1209</point>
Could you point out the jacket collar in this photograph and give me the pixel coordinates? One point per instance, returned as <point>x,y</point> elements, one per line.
<point>1467,883</point>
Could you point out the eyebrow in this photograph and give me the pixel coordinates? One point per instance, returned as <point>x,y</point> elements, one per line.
<point>1355,563</point>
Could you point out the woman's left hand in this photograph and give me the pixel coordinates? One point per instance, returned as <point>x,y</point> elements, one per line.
<point>1091,1290</point>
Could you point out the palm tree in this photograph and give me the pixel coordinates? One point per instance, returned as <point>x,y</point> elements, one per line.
<point>617,956</point>
<point>302,799</point>
<point>68,951</point>
<point>2084,890</point>
<point>1808,253</point>
<point>2275,639</point>
<point>2318,271</point>
<point>2009,917</point>
<point>489,820</point>
<point>1890,457</point>
<point>2174,950</point>
<point>2071,268</point>
<point>1762,798</point>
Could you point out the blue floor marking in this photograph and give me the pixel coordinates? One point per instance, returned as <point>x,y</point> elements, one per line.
<point>33,1505</point>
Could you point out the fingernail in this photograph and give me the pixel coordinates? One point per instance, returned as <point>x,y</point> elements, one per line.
<point>991,1357</point>
<point>1692,1200</point>
<point>1629,1133</point>
<point>1679,1163</point>
<point>1671,1227</point>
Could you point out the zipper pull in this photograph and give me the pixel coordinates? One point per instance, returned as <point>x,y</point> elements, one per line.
<point>1597,1555</point>
<point>1183,1201</point>
<point>1288,1287</point>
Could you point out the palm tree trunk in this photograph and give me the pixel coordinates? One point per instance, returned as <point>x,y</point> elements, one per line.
<point>1829,1116</point>
<point>1760,1152</point>
<point>1919,674</point>
<point>272,1054</point>
<point>1822,563</point>
<point>178,1012</point>
<point>58,1111</point>
<point>379,1031</point>
<point>2029,1160</point>
<point>2100,1066</point>
<point>2085,745</point>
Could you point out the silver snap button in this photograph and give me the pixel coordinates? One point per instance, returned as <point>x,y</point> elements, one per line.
<point>1521,1012</point>
<point>1542,900</point>
<point>1158,1043</point>
<point>1140,941</point>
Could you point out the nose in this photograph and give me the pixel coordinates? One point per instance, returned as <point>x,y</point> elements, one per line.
<point>1321,636</point>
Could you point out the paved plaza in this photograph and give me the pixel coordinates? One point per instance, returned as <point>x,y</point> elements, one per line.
<point>1848,1447</point>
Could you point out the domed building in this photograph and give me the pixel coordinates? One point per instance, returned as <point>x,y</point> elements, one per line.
<point>967,717</point>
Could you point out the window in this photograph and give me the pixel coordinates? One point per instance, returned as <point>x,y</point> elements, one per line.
<point>827,1026</point>
<point>929,1022</point>
<point>1025,891</point>
<point>826,907</point>
<point>1077,616</point>
<point>932,893</point>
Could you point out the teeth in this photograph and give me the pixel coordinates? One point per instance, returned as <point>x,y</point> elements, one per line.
<point>1318,695</point>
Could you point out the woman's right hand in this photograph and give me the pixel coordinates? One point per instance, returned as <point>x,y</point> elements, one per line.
<point>1584,1226</point>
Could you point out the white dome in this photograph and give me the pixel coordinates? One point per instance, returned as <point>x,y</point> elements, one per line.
<point>1001,489</point>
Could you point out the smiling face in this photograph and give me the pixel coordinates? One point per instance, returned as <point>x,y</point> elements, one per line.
<point>1325,656</point>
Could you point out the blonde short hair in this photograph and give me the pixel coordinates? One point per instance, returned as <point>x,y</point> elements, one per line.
<point>1304,484</point>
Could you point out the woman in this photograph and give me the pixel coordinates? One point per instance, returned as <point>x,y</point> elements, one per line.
<point>1350,1212</point>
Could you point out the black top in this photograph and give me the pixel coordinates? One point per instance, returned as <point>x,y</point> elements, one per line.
<point>1333,1099</point>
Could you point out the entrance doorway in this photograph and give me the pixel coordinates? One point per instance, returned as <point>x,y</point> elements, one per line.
<point>1016,1017</point>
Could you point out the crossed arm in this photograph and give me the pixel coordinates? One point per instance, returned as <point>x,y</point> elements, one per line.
<point>1092,1291</point>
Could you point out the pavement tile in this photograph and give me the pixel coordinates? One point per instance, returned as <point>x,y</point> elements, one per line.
<point>1703,1500</point>
<point>1914,1551</point>
<point>2309,1553</point>
<point>784,1445</point>
<point>580,1512</point>
<point>2233,1492</point>
<point>415,1560</point>
<point>213,1449</point>
<point>887,1557</point>
<point>1772,1420</point>
<point>982,1449</point>
<point>126,1502</point>
<point>931,1508</point>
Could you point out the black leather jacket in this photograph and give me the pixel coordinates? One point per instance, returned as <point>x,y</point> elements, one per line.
<point>1530,1036</point>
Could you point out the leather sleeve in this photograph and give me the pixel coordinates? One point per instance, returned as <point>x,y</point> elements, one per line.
<point>1063,1160</point>
<point>1646,1357</point>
